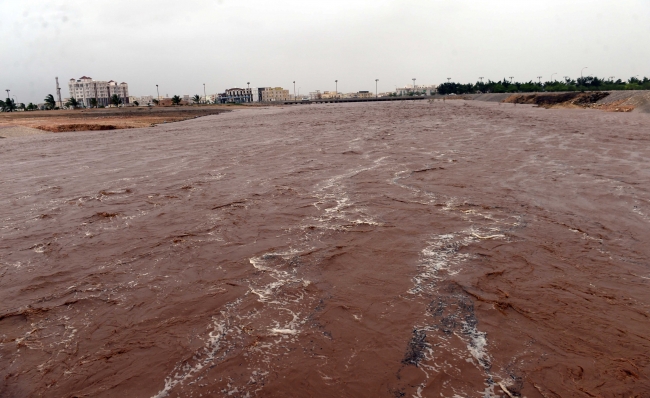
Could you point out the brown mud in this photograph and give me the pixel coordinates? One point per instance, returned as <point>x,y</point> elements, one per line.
<point>410,249</point>
<point>106,118</point>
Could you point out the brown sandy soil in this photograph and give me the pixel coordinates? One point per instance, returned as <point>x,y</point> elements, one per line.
<point>573,100</point>
<point>414,249</point>
<point>107,118</point>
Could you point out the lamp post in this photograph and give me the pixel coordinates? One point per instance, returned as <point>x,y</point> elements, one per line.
<point>336,92</point>
<point>376,88</point>
<point>449,80</point>
<point>205,96</point>
<point>481,79</point>
<point>511,77</point>
<point>582,70</point>
<point>249,95</point>
<point>158,92</point>
<point>413,86</point>
<point>294,91</point>
<point>7,90</point>
<point>540,80</point>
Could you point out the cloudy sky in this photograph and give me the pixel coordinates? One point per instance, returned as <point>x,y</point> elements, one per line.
<point>182,44</point>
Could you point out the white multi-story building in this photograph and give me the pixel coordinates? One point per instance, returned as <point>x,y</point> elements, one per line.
<point>237,95</point>
<point>85,89</point>
<point>419,89</point>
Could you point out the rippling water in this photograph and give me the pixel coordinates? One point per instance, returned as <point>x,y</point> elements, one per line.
<point>457,249</point>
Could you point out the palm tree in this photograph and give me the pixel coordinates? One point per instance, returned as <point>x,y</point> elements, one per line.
<point>196,99</point>
<point>155,101</point>
<point>116,100</point>
<point>9,105</point>
<point>73,103</point>
<point>176,100</point>
<point>31,106</point>
<point>49,101</point>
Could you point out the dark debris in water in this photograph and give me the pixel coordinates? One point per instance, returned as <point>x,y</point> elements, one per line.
<point>416,348</point>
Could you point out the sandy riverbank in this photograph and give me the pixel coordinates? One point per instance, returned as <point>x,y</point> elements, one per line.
<point>106,118</point>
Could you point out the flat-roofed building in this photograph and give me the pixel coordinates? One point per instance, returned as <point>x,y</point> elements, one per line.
<point>419,89</point>
<point>144,100</point>
<point>85,89</point>
<point>272,94</point>
<point>236,95</point>
<point>362,94</point>
<point>329,94</point>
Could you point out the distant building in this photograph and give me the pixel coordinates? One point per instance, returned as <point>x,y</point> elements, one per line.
<point>168,102</point>
<point>272,94</point>
<point>144,100</point>
<point>236,95</point>
<point>362,94</point>
<point>329,95</point>
<point>210,99</point>
<point>315,95</point>
<point>85,89</point>
<point>419,89</point>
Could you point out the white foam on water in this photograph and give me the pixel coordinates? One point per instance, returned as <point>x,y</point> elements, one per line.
<point>440,258</point>
<point>206,356</point>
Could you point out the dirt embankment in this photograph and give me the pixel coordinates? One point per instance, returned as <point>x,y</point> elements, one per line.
<point>569,100</point>
<point>105,119</point>
<point>612,101</point>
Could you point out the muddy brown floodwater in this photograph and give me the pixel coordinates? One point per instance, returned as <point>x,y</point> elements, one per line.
<point>457,249</point>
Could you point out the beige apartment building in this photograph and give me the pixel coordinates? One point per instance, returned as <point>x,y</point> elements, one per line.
<point>272,94</point>
<point>85,88</point>
<point>362,94</point>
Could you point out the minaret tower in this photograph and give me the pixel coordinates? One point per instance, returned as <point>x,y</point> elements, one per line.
<point>58,94</point>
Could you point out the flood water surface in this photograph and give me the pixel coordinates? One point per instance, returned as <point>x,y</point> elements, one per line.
<point>457,249</point>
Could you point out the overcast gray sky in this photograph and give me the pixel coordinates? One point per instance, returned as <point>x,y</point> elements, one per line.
<point>182,44</point>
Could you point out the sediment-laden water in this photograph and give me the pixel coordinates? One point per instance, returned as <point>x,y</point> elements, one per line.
<point>456,249</point>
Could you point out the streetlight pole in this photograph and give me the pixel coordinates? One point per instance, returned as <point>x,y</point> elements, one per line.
<point>158,92</point>
<point>511,77</point>
<point>481,79</point>
<point>540,80</point>
<point>7,92</point>
<point>336,93</point>
<point>413,86</point>
<point>582,70</point>
<point>294,91</point>
<point>205,96</point>
<point>376,88</point>
<point>449,80</point>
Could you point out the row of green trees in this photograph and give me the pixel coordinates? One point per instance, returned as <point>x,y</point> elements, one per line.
<point>588,83</point>
<point>50,103</point>
<point>9,105</point>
